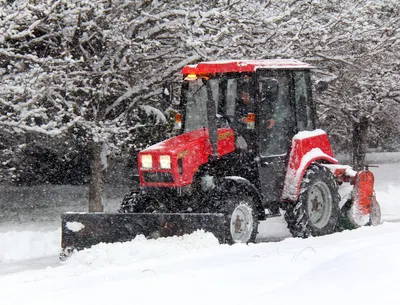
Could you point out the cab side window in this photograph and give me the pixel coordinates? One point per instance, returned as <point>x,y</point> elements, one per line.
<point>231,97</point>
<point>276,119</point>
<point>304,113</point>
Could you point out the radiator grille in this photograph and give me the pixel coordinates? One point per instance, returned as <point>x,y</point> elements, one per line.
<point>164,177</point>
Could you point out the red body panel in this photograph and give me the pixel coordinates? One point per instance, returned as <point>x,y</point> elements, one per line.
<point>307,147</point>
<point>243,66</point>
<point>193,148</point>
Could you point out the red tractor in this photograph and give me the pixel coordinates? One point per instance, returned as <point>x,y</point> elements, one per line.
<point>246,148</point>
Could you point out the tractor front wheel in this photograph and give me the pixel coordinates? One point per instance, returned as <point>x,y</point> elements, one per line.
<point>241,219</point>
<point>316,211</point>
<point>135,202</point>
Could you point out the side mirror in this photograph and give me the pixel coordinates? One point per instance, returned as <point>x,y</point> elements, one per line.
<point>169,90</point>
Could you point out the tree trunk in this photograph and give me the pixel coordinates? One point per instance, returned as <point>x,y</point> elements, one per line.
<point>360,131</point>
<point>97,169</point>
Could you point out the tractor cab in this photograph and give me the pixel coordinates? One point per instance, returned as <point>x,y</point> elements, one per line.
<point>264,102</point>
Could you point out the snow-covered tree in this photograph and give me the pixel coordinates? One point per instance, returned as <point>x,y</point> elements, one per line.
<point>357,44</point>
<point>91,65</point>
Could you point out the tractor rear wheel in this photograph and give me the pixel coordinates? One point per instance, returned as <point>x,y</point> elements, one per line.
<point>316,211</point>
<point>241,218</point>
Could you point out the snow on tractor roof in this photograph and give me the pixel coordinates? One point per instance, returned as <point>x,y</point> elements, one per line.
<point>225,66</point>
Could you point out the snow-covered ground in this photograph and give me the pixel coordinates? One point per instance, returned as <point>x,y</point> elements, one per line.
<point>360,266</point>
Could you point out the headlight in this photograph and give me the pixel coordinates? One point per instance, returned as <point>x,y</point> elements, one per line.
<point>165,162</point>
<point>147,161</point>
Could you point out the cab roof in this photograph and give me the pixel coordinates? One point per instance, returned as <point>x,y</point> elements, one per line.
<point>225,66</point>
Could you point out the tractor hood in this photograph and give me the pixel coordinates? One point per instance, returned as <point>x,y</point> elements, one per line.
<point>174,162</point>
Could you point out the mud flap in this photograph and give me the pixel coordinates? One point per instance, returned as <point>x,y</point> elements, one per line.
<point>83,230</point>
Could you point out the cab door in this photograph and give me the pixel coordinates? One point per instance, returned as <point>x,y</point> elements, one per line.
<point>276,125</point>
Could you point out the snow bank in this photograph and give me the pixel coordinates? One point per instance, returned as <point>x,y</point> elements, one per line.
<point>24,245</point>
<point>389,201</point>
<point>27,245</point>
<point>341,268</point>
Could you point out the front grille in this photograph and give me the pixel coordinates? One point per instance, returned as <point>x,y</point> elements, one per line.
<point>163,177</point>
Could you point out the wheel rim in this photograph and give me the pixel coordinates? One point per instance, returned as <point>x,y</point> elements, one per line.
<point>319,204</point>
<point>241,224</point>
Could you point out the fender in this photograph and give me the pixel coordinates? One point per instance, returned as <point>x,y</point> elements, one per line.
<point>246,186</point>
<point>307,147</point>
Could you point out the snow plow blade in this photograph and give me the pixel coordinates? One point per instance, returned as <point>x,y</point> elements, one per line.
<point>83,230</point>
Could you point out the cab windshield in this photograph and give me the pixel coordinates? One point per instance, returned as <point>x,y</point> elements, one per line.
<point>224,93</point>
<point>195,95</point>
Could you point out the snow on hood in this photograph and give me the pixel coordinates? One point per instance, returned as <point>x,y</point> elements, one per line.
<point>75,226</point>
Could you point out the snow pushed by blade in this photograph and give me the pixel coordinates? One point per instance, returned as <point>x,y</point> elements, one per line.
<point>141,248</point>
